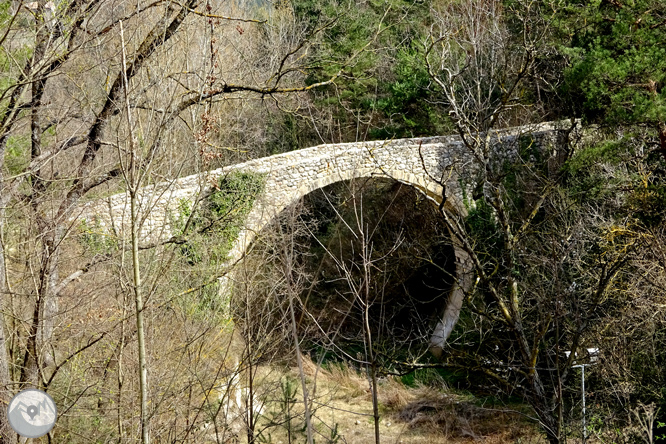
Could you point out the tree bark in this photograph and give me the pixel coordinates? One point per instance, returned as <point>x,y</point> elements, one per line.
<point>463,282</point>
<point>138,299</point>
<point>6,390</point>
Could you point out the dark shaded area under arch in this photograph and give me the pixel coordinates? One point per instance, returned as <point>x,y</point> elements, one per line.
<point>410,274</point>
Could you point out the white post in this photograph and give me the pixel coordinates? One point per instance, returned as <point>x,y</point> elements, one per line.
<point>582,389</point>
<point>582,385</point>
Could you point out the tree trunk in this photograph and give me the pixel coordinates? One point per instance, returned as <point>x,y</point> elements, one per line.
<point>549,419</point>
<point>463,282</point>
<point>6,391</point>
<point>138,299</point>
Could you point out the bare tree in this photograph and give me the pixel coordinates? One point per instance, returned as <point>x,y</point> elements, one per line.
<point>362,263</point>
<point>295,283</point>
<point>64,120</point>
<point>541,287</point>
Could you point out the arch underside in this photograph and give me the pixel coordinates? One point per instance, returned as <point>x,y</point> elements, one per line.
<point>266,210</point>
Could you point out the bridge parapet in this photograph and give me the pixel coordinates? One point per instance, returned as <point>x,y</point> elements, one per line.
<point>291,175</point>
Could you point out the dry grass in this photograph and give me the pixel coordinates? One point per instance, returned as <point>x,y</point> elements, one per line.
<point>458,418</point>
<point>422,415</point>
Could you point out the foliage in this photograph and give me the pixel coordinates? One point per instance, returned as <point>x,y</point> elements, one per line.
<point>404,99</point>
<point>386,93</point>
<point>282,413</point>
<point>208,234</point>
<point>219,220</point>
<point>426,377</point>
<point>96,238</point>
<point>618,63</point>
<point>17,154</point>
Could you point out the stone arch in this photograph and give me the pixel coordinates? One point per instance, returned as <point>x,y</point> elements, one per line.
<point>290,176</point>
<point>263,213</point>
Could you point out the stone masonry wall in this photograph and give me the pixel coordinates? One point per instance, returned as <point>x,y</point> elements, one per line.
<point>290,176</point>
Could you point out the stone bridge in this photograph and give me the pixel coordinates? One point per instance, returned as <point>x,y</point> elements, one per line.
<point>424,163</point>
